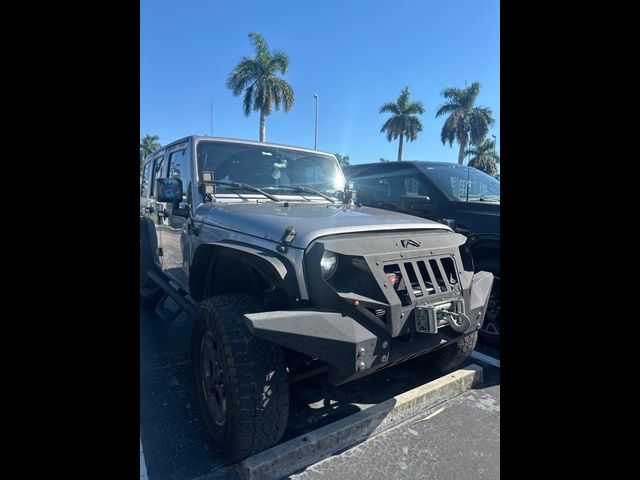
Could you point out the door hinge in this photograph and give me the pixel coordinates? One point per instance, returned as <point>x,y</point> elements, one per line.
<point>160,252</point>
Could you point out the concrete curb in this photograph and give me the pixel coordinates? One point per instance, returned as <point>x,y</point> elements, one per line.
<point>298,453</point>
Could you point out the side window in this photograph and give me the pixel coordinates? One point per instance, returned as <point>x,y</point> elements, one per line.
<point>146,179</point>
<point>158,171</point>
<point>413,186</point>
<point>396,184</point>
<point>179,168</point>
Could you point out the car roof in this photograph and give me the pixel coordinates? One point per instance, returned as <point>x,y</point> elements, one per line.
<point>404,162</point>
<point>196,138</point>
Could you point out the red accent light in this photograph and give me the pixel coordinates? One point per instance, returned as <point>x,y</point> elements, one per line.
<point>393,278</point>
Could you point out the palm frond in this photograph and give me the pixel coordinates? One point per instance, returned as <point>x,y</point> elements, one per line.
<point>259,43</point>
<point>447,108</point>
<point>279,61</point>
<point>285,92</point>
<point>390,107</point>
<point>246,101</point>
<point>414,108</point>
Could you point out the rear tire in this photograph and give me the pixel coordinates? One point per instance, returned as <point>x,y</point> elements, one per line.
<point>449,357</point>
<point>241,381</point>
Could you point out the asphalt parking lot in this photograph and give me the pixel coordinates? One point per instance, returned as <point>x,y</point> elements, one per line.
<point>172,438</point>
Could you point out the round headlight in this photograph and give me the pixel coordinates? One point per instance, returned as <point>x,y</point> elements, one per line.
<point>328,264</point>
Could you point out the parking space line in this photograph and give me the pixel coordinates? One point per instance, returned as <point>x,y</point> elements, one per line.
<point>494,362</point>
<point>143,465</point>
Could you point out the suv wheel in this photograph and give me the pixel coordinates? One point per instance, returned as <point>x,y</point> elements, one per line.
<point>452,355</point>
<point>490,331</point>
<point>241,381</point>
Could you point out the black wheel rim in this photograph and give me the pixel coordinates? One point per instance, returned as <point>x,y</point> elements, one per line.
<point>213,378</point>
<point>491,325</point>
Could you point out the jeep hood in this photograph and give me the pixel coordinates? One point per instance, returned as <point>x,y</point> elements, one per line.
<point>269,220</point>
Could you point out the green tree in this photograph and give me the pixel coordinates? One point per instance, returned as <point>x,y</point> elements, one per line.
<point>483,157</point>
<point>403,121</point>
<point>384,160</point>
<point>466,123</point>
<point>343,161</point>
<point>257,77</point>
<point>148,145</point>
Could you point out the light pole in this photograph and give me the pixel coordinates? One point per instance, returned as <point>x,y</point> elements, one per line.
<point>315,137</point>
<point>211,118</point>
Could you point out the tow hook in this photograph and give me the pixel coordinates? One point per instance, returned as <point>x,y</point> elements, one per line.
<point>458,321</point>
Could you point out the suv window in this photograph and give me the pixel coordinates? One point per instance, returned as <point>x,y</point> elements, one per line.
<point>179,168</point>
<point>158,171</point>
<point>269,167</point>
<point>389,185</point>
<point>454,180</point>
<point>146,177</point>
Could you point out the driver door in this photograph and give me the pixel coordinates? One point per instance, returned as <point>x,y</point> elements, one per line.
<point>174,239</point>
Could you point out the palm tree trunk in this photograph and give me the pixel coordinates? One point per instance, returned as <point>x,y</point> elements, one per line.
<point>400,148</point>
<point>263,129</point>
<point>463,145</point>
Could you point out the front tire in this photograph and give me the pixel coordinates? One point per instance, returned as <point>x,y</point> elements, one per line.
<point>241,381</point>
<point>452,355</point>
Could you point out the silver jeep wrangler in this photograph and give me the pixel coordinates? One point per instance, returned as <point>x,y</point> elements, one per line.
<point>286,276</point>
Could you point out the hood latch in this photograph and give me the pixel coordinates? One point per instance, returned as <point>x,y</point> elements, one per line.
<point>287,238</point>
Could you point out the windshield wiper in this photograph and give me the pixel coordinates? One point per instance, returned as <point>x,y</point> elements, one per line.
<point>308,190</point>
<point>248,187</point>
<point>482,199</point>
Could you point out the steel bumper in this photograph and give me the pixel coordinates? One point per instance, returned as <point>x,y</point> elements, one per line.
<point>351,344</point>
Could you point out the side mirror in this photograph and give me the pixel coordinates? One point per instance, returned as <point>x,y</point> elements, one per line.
<point>416,203</point>
<point>169,190</point>
<point>350,194</point>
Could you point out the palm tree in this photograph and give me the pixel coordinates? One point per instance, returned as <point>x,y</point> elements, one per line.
<point>148,145</point>
<point>483,157</point>
<point>343,161</point>
<point>466,123</point>
<point>257,77</point>
<point>403,120</point>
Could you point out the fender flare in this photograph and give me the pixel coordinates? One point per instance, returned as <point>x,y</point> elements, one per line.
<point>273,266</point>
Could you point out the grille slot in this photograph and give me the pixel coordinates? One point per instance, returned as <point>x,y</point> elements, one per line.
<point>419,279</point>
<point>436,268</point>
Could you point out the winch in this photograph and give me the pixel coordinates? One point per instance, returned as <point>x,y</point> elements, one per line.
<point>431,317</point>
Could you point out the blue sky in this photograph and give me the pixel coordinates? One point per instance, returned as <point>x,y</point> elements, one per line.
<point>355,54</point>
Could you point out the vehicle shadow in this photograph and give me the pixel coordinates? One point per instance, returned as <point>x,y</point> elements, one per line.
<point>315,403</point>
<point>170,426</point>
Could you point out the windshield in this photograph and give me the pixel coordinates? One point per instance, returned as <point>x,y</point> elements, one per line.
<point>269,168</point>
<point>454,179</point>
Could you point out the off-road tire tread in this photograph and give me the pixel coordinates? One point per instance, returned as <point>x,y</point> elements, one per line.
<point>449,357</point>
<point>256,372</point>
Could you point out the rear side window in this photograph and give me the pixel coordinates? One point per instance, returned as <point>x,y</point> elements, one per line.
<point>146,179</point>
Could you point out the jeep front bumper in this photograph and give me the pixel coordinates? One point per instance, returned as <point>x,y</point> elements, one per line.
<point>353,346</point>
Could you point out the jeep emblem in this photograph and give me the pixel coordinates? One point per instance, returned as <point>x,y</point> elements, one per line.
<point>408,243</point>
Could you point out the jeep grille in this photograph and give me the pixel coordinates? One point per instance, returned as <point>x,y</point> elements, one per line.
<point>420,279</point>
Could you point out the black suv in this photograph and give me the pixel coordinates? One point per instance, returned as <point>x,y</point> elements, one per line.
<point>438,191</point>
